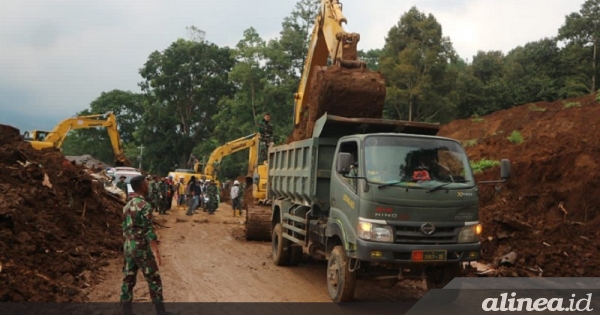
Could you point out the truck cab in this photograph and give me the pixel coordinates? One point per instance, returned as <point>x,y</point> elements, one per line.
<point>379,200</point>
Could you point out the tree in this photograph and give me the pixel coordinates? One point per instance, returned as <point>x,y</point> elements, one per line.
<point>371,57</point>
<point>183,85</point>
<point>415,61</point>
<point>583,28</point>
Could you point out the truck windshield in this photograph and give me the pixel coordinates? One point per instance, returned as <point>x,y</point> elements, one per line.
<point>418,162</point>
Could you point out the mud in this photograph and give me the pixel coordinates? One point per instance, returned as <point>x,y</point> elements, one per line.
<point>57,226</point>
<point>206,258</point>
<point>547,212</point>
<point>342,92</point>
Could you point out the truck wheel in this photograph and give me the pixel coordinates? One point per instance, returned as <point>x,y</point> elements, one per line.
<point>438,278</point>
<point>295,255</point>
<point>340,281</point>
<point>280,247</point>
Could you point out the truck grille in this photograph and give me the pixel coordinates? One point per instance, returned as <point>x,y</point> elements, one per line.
<point>413,235</point>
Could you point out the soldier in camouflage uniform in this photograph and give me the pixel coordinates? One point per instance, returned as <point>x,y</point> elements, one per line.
<point>155,194</point>
<point>266,136</point>
<point>212,192</point>
<point>140,249</point>
<point>162,195</point>
<point>121,184</point>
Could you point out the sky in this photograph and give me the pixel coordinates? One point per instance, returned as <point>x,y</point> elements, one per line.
<point>58,56</point>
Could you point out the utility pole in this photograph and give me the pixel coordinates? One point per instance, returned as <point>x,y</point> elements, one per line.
<point>140,157</point>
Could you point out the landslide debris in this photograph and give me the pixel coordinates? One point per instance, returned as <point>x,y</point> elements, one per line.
<point>58,225</point>
<point>547,213</point>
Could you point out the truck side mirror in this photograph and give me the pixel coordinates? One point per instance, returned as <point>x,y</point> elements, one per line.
<point>344,161</point>
<point>505,169</point>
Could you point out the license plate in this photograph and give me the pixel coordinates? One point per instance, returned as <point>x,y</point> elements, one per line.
<point>429,255</point>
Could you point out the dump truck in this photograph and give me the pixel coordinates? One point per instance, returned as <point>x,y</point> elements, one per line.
<point>378,199</point>
<point>334,81</point>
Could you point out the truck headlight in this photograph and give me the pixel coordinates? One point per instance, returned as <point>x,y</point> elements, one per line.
<point>470,233</point>
<point>375,232</point>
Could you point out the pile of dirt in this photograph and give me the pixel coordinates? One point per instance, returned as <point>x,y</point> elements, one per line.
<point>546,213</point>
<point>342,92</point>
<point>58,225</point>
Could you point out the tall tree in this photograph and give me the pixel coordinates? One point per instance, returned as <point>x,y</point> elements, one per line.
<point>183,84</point>
<point>415,61</point>
<point>583,28</point>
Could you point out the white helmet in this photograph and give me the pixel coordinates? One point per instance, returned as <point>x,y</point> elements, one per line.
<point>236,182</point>
<point>180,176</point>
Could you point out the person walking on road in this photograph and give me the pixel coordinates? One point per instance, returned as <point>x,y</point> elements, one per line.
<point>191,196</point>
<point>235,195</point>
<point>140,249</point>
<point>181,192</point>
<point>211,191</point>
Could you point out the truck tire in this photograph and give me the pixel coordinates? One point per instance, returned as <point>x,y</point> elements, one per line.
<point>340,281</point>
<point>280,247</point>
<point>438,278</point>
<point>295,255</point>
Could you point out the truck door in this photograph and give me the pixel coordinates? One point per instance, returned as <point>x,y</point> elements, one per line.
<point>345,203</point>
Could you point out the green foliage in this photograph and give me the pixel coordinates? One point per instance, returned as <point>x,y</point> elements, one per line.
<point>535,108</point>
<point>483,164</point>
<point>416,62</point>
<point>515,137</point>
<point>572,104</point>
<point>197,95</point>
<point>597,97</point>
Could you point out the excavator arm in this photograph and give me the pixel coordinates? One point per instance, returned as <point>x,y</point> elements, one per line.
<point>247,142</point>
<point>347,87</point>
<point>55,138</point>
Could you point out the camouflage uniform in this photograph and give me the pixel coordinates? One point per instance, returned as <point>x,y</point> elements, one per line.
<point>154,194</point>
<point>162,195</point>
<point>138,233</point>
<point>122,185</point>
<point>212,193</point>
<point>266,137</point>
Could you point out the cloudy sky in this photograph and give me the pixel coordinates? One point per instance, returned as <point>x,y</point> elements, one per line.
<point>58,56</point>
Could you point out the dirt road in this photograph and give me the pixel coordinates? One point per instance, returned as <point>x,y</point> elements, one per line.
<point>207,259</point>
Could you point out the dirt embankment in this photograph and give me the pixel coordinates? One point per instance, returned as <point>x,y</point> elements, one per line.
<point>57,226</point>
<point>547,213</point>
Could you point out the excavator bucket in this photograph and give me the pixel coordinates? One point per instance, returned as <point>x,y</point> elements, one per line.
<point>340,91</point>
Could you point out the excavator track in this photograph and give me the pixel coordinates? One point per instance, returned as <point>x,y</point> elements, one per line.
<point>347,92</point>
<point>258,219</point>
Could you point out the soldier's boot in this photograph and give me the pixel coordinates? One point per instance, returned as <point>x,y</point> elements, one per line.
<point>240,212</point>
<point>127,308</point>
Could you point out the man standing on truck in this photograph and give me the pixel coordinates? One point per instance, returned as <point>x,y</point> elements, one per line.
<point>140,249</point>
<point>266,136</point>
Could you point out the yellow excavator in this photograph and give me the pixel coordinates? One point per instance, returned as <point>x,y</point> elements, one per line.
<point>54,139</point>
<point>210,169</point>
<point>346,88</point>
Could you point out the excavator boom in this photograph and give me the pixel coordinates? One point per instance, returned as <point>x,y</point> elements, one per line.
<point>347,88</point>
<point>247,142</point>
<point>55,138</point>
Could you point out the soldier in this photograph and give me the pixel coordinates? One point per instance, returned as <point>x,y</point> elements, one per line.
<point>266,136</point>
<point>155,194</point>
<point>121,184</point>
<point>211,191</point>
<point>140,249</point>
<point>162,195</point>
